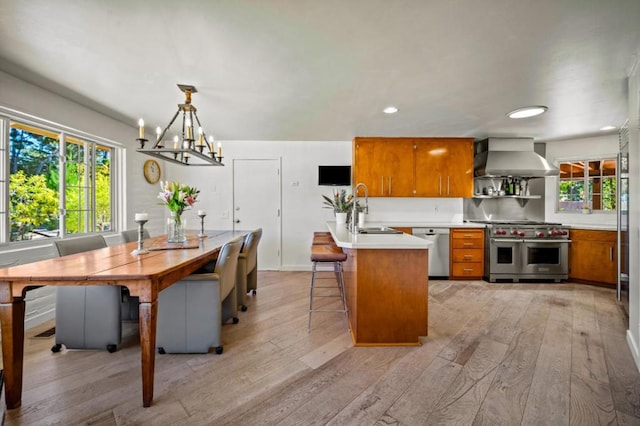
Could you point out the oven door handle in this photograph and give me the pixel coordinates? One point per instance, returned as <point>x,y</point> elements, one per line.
<point>506,240</point>
<point>546,241</point>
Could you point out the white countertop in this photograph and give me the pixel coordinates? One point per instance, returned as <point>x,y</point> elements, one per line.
<point>425,224</point>
<point>344,238</point>
<point>593,226</point>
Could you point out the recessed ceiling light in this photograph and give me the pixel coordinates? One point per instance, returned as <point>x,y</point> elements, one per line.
<point>605,128</point>
<point>390,110</point>
<point>526,112</point>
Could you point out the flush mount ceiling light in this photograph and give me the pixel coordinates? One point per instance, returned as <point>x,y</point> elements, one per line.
<point>605,128</point>
<point>527,112</point>
<point>186,144</point>
<point>390,110</point>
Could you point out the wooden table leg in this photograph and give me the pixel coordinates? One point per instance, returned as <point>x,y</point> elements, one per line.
<point>148,319</point>
<point>12,319</point>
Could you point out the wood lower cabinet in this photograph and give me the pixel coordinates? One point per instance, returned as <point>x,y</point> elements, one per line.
<point>466,258</point>
<point>593,256</point>
<point>387,296</point>
<point>403,229</point>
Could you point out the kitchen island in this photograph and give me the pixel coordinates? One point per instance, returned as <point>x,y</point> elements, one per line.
<point>386,285</point>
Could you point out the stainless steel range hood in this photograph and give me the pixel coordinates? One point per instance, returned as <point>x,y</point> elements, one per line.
<point>499,157</point>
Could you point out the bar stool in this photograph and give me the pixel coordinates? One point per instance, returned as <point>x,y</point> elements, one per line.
<point>327,256</point>
<point>323,238</point>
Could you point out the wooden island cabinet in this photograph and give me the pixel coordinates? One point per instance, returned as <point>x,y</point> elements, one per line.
<point>386,286</point>
<point>593,256</point>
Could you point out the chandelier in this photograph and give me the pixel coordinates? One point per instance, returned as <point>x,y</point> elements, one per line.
<point>188,144</point>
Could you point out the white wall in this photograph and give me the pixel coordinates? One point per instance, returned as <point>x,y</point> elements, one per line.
<point>582,148</point>
<point>302,211</point>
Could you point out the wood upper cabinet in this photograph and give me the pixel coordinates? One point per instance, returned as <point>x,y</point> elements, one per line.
<point>593,256</point>
<point>385,165</point>
<point>420,167</point>
<point>444,167</point>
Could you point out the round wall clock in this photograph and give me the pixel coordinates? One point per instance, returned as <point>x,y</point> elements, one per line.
<point>152,171</point>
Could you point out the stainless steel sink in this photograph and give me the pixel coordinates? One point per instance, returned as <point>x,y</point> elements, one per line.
<point>378,230</point>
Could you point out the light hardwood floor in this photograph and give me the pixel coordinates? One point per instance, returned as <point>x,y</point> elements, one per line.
<point>496,354</point>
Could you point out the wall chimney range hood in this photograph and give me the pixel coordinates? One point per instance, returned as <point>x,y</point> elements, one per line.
<point>500,157</point>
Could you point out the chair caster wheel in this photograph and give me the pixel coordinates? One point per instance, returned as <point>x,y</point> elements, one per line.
<point>219,349</point>
<point>236,320</point>
<point>254,292</point>
<point>56,348</point>
<point>243,308</point>
<point>112,348</point>
<point>161,351</point>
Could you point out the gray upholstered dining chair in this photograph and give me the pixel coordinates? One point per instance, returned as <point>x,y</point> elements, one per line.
<point>87,317</point>
<point>191,312</point>
<point>132,235</point>
<point>247,274</point>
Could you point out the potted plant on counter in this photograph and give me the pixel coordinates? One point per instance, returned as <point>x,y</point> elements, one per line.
<point>341,205</point>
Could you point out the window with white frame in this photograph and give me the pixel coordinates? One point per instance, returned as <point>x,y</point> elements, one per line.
<point>53,183</point>
<point>587,185</point>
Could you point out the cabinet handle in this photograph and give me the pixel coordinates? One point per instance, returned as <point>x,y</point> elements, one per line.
<point>440,191</point>
<point>389,185</point>
<point>448,185</point>
<point>611,254</point>
<point>468,270</point>
<point>467,244</point>
<point>382,186</point>
<point>468,235</point>
<point>467,256</point>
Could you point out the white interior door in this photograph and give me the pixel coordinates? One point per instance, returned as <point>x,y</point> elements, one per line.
<point>256,204</point>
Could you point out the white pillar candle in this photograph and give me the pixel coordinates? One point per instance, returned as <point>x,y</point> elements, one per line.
<point>141,128</point>
<point>142,216</point>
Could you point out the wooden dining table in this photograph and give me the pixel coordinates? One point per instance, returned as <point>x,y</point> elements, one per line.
<point>145,276</point>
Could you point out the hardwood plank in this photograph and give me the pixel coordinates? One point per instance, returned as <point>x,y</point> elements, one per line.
<point>507,395</point>
<point>463,398</point>
<point>548,400</point>
<point>422,396</point>
<point>591,402</point>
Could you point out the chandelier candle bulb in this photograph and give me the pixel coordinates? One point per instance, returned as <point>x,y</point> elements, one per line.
<point>219,149</point>
<point>158,133</point>
<point>200,137</point>
<point>141,216</point>
<point>187,124</point>
<point>176,142</point>
<point>141,128</point>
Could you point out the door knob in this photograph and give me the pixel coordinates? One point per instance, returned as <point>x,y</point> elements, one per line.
<point>237,221</point>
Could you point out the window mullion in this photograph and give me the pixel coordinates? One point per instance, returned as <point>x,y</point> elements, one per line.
<point>4,181</point>
<point>62,184</point>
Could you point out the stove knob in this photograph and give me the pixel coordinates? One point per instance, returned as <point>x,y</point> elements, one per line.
<point>554,233</point>
<point>504,232</point>
<point>521,233</point>
<point>514,232</point>
<point>565,232</point>
<point>540,234</point>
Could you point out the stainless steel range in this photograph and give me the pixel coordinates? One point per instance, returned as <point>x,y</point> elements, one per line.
<point>518,250</point>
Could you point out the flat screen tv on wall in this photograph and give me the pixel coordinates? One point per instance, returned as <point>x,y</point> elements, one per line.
<point>334,175</point>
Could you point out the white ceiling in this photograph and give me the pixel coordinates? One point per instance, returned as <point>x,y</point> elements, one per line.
<point>324,70</point>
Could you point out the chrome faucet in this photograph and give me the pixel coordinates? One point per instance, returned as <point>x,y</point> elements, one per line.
<point>354,211</point>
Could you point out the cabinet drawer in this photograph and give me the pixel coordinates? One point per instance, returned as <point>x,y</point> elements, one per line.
<point>467,234</point>
<point>467,269</point>
<point>468,255</point>
<point>467,244</point>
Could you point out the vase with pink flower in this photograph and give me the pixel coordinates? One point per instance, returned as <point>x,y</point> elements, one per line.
<point>177,197</point>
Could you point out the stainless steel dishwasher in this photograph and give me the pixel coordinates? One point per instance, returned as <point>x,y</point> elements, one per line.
<point>439,254</point>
